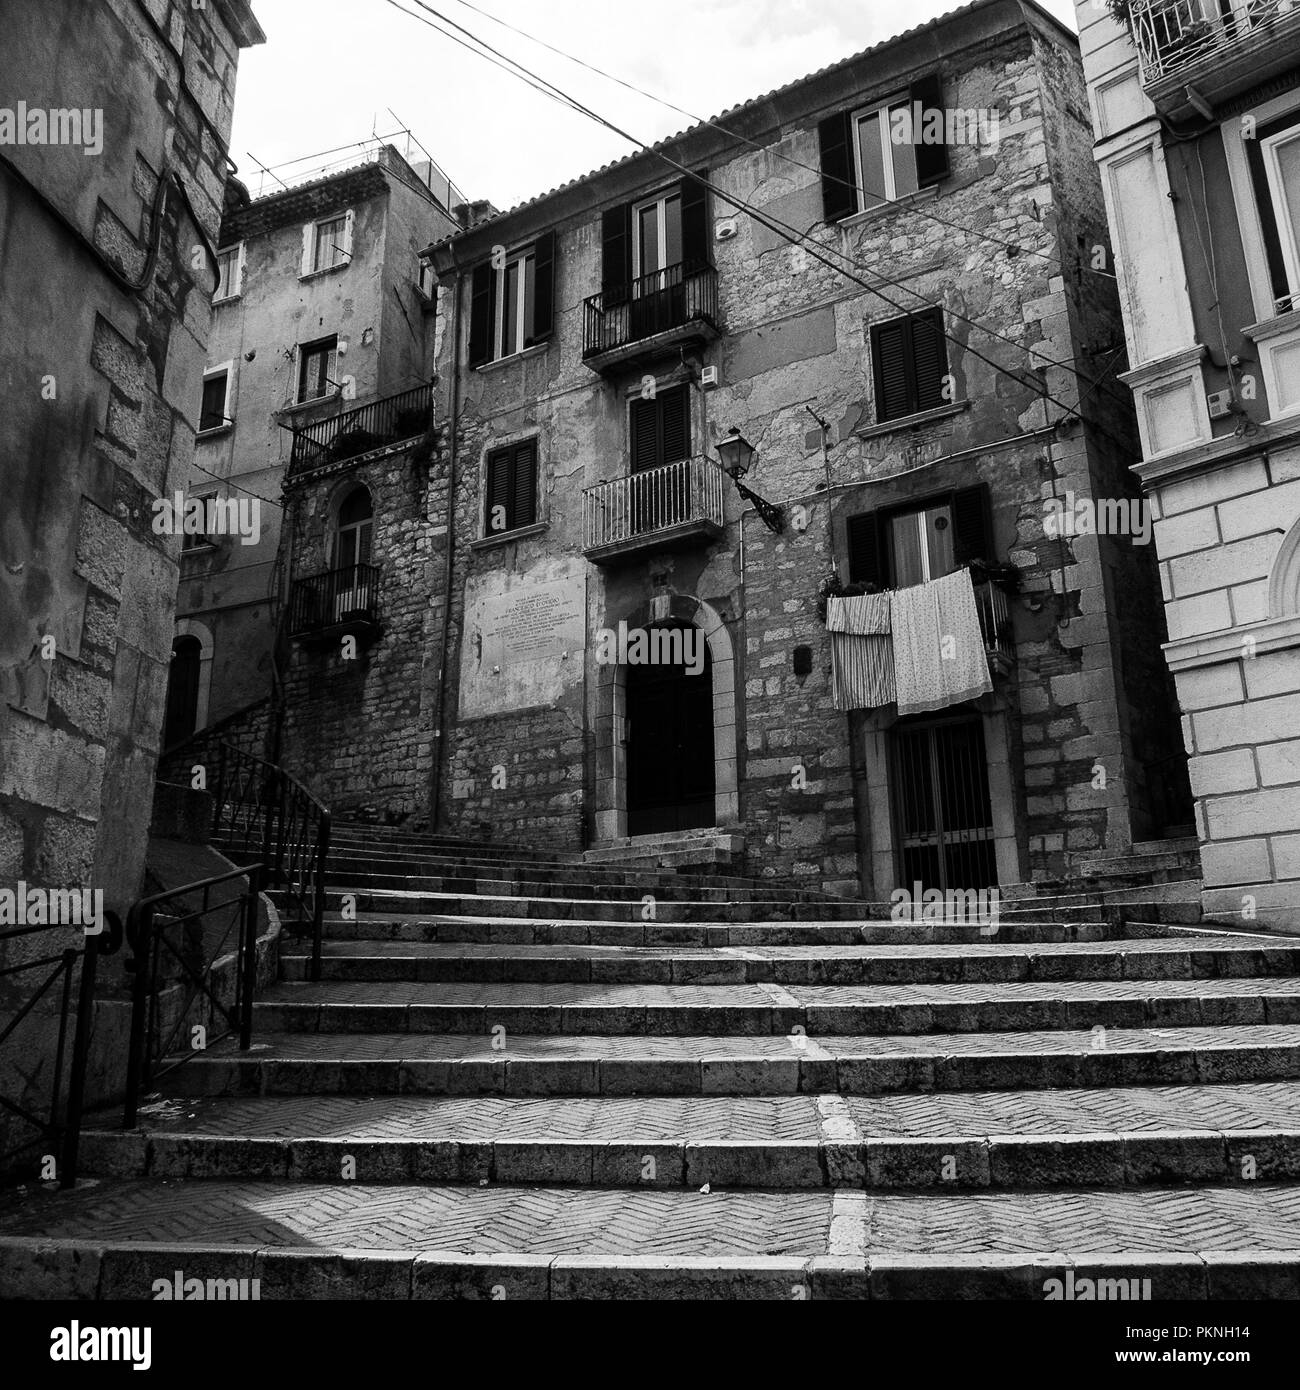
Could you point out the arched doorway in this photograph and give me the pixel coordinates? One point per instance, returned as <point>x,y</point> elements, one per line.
<point>182,691</point>
<point>671,782</point>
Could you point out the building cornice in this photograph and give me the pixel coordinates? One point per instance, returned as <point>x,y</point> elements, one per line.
<point>1220,453</point>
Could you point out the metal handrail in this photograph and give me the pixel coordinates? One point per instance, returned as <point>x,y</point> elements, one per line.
<point>324,600</point>
<point>654,303</point>
<point>1172,35</point>
<point>62,1127</point>
<point>354,432</point>
<point>146,995</point>
<point>654,500</point>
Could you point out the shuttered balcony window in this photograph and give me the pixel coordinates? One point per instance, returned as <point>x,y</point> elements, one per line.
<point>910,362</point>
<point>660,429</point>
<point>511,491</point>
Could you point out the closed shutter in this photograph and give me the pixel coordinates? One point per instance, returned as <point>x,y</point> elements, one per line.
<point>523,486</point>
<point>972,531</point>
<point>482,294</point>
<point>498,492</point>
<point>867,558</point>
<point>929,359</point>
<point>676,415</point>
<point>931,160</point>
<point>645,435</point>
<point>695,224</point>
<point>890,343</point>
<point>839,195</point>
<point>661,429</point>
<point>543,288</point>
<point>616,256</point>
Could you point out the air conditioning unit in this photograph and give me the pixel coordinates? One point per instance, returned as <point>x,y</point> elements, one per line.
<point>708,379</point>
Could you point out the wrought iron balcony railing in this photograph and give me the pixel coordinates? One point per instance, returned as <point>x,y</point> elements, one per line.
<point>995,622</point>
<point>1213,43</point>
<point>681,297</point>
<point>354,432</point>
<point>339,601</point>
<point>673,501</point>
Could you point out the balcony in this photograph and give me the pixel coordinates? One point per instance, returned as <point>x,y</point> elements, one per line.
<point>662,311</point>
<point>392,420</point>
<point>666,508</point>
<point>1197,54</point>
<point>338,604</point>
<point>995,624</point>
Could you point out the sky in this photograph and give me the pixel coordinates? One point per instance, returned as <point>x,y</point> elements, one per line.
<point>332,71</point>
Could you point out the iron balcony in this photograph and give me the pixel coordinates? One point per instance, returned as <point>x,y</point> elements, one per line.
<point>664,310</point>
<point>665,508</point>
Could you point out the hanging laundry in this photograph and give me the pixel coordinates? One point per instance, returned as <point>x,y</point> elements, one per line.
<point>939,653</point>
<point>862,658</point>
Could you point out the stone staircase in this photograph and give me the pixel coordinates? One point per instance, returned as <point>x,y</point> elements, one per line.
<point>525,1078</point>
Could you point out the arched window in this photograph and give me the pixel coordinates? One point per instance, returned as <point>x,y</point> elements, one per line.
<point>352,531</point>
<point>182,691</point>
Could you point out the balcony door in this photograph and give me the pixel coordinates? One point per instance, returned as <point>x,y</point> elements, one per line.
<point>352,537</point>
<point>670,767</point>
<point>943,811</point>
<point>660,430</point>
<point>658,289</point>
<point>182,690</point>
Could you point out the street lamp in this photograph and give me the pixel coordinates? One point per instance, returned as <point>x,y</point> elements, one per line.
<point>736,453</point>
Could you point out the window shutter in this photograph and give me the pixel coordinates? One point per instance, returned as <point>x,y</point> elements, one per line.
<point>645,434</point>
<point>543,288</point>
<point>523,510</point>
<point>839,195</point>
<point>972,528</point>
<point>866,553</point>
<point>675,413</point>
<point>616,256</point>
<point>931,160</point>
<point>482,293</point>
<point>308,246</point>
<point>695,223</point>
<point>498,490</point>
<point>348,223</point>
<point>239,267</point>
<point>929,358</point>
<point>891,359</point>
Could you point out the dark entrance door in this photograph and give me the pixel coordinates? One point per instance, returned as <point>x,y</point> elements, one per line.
<point>941,800</point>
<point>670,782</point>
<point>182,691</point>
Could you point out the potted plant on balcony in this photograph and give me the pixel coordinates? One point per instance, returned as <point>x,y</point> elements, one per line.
<point>833,587</point>
<point>1001,573</point>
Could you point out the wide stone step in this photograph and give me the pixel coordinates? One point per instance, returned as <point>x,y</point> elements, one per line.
<point>614,1009</point>
<point>307,1241</point>
<point>452,928</point>
<point>1207,1134</point>
<point>1168,958</point>
<point>520,1064</point>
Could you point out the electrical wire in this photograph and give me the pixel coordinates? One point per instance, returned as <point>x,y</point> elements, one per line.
<point>784,230</point>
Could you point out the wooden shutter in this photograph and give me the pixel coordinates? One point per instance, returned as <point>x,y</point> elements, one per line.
<point>543,289</point>
<point>616,256</point>
<point>972,529</point>
<point>498,490</point>
<point>839,195</point>
<point>523,485</point>
<point>867,555</point>
<point>645,420</point>
<point>929,358</point>
<point>481,305</point>
<point>675,414</point>
<point>931,160</point>
<point>695,224</point>
<point>891,358</point>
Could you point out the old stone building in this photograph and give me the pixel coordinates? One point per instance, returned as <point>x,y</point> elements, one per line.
<point>109,208</point>
<point>899,343</point>
<point>1197,111</point>
<point>320,334</point>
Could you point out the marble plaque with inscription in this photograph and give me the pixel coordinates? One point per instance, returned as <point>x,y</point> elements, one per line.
<point>524,642</point>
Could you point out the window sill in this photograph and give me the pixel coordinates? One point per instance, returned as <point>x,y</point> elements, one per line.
<point>907,422</point>
<point>858,219</point>
<point>536,350</point>
<point>519,534</point>
<point>326,270</point>
<point>1274,327</point>
<point>227,299</point>
<point>296,407</point>
<point>215,432</point>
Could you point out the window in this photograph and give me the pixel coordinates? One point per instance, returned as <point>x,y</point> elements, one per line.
<point>426,280</point>
<point>327,243</point>
<point>512,306</point>
<point>896,547</point>
<point>910,360</point>
<point>316,369</point>
<point>353,531</point>
<point>511,492</point>
<point>1274,159</point>
<point>658,240</point>
<point>230,269</point>
<point>652,236</point>
<point>864,166</point>
<point>199,540</point>
<point>660,429</point>
<point>214,412</point>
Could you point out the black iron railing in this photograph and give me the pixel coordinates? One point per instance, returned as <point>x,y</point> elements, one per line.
<point>193,984</point>
<point>655,303</point>
<point>54,969</point>
<point>325,601</point>
<point>264,814</point>
<point>355,432</point>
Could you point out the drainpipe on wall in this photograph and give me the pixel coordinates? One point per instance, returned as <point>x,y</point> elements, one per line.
<point>453,426</point>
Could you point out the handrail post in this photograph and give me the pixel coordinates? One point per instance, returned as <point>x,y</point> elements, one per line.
<point>139,933</point>
<point>248,965</point>
<point>318,906</point>
<point>80,1057</point>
